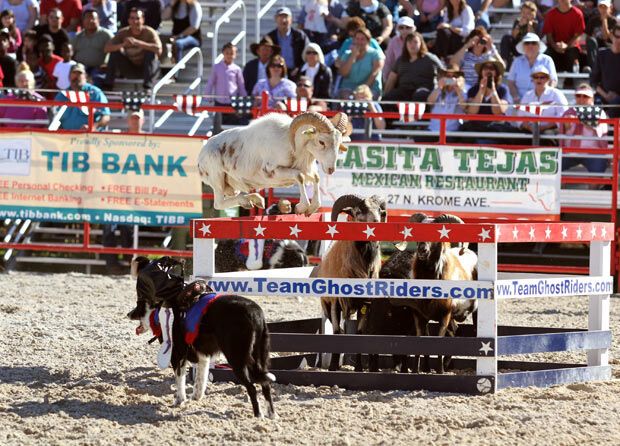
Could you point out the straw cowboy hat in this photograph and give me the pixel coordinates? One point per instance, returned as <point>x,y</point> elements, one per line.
<point>499,66</point>
<point>531,37</point>
<point>265,41</point>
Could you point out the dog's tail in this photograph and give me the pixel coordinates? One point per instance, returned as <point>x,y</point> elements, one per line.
<point>260,355</point>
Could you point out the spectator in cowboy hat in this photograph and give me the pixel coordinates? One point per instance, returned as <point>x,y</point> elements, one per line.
<point>489,97</point>
<point>256,69</point>
<point>519,79</point>
<point>291,41</point>
<point>584,99</point>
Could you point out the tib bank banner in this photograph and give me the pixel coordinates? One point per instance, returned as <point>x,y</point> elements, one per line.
<point>99,178</point>
<point>477,180</point>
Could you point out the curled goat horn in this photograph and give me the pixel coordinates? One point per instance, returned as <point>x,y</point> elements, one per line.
<point>344,202</point>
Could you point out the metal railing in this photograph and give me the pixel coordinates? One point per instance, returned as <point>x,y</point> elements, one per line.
<point>260,14</point>
<point>241,35</point>
<point>194,52</point>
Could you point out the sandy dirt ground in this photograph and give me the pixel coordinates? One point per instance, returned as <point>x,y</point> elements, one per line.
<point>72,371</point>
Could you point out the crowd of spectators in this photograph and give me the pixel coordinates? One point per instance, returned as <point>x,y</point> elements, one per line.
<point>435,51</point>
<point>106,38</point>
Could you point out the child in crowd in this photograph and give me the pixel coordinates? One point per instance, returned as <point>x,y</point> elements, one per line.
<point>62,69</point>
<point>526,23</point>
<point>7,20</point>
<point>364,93</point>
<point>226,80</point>
<point>29,46</point>
<point>40,77</point>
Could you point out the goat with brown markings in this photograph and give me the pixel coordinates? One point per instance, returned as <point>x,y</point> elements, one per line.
<point>440,261</point>
<point>351,259</point>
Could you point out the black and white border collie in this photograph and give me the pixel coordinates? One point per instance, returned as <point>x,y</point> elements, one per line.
<point>232,325</point>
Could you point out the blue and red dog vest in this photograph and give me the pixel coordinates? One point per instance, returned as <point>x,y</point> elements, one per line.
<point>194,316</point>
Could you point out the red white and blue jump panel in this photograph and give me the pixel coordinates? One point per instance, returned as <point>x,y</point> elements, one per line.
<point>302,228</point>
<point>554,232</point>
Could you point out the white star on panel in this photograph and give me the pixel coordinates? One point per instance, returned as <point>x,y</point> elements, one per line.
<point>564,232</point>
<point>484,234</point>
<point>603,232</point>
<point>548,232</point>
<point>593,231</point>
<point>443,232</point>
<point>331,230</point>
<point>406,232</point>
<point>532,233</point>
<point>486,347</point>
<point>259,230</point>
<point>294,231</point>
<point>515,233</point>
<point>370,232</point>
<point>579,231</point>
<point>206,229</point>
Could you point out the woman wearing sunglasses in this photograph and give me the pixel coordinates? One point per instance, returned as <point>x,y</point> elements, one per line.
<point>315,69</point>
<point>276,84</point>
<point>519,79</point>
<point>552,101</point>
<point>595,130</point>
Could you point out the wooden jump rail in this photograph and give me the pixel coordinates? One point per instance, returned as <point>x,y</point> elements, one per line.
<point>489,342</point>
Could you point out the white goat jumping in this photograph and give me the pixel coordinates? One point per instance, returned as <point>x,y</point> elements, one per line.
<point>273,151</point>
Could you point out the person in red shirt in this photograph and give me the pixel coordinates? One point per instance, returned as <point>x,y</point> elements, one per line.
<point>47,59</point>
<point>563,26</point>
<point>71,12</point>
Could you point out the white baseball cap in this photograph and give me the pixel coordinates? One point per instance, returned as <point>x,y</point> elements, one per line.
<point>406,21</point>
<point>585,90</point>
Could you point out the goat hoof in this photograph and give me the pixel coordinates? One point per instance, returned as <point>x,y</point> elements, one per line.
<point>273,415</point>
<point>196,396</point>
<point>256,200</point>
<point>301,208</point>
<point>178,402</point>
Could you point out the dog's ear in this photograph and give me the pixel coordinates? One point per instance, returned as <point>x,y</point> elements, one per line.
<point>137,264</point>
